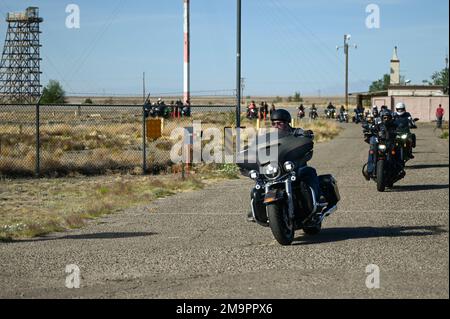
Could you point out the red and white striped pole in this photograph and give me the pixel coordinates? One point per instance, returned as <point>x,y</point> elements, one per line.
<point>186,89</point>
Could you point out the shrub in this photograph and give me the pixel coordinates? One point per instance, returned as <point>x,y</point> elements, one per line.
<point>53,93</point>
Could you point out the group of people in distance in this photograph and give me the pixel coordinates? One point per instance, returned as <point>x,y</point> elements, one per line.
<point>262,111</point>
<point>160,109</point>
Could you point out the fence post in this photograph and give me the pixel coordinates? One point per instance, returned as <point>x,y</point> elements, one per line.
<point>38,142</point>
<point>144,143</point>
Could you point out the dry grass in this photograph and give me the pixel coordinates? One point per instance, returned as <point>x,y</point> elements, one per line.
<point>444,134</point>
<point>93,144</point>
<point>30,208</point>
<point>323,130</point>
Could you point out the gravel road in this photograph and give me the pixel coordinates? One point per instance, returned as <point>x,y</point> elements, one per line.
<point>199,245</point>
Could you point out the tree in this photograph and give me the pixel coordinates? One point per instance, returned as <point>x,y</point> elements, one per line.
<point>88,101</point>
<point>297,97</point>
<point>441,78</point>
<point>381,84</point>
<point>278,99</point>
<point>53,93</point>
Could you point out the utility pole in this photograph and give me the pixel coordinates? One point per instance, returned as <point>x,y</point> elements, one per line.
<point>143,87</point>
<point>242,89</point>
<point>238,70</point>
<point>346,47</point>
<point>186,89</point>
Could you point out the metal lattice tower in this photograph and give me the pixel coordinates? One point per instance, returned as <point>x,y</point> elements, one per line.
<point>20,75</point>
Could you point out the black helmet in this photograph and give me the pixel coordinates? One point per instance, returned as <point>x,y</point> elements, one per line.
<point>386,116</point>
<point>281,115</point>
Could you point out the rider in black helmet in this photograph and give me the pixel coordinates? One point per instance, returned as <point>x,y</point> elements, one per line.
<point>386,128</point>
<point>281,120</point>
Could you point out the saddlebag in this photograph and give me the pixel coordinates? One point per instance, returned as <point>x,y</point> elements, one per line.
<point>329,188</point>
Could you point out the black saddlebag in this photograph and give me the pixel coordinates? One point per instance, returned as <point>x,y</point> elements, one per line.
<point>329,189</point>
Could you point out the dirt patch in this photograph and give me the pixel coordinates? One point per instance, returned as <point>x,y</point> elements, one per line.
<point>33,207</point>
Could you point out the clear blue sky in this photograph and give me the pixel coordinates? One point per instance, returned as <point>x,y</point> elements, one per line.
<point>288,45</point>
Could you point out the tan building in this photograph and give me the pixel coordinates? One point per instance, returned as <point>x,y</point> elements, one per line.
<point>421,100</point>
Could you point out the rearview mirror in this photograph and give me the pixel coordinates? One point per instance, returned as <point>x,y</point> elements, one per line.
<point>416,120</point>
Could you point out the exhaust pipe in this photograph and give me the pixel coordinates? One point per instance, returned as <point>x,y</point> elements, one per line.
<point>328,213</point>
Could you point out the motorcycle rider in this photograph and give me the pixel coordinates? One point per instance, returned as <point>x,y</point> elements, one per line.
<point>301,111</point>
<point>178,107</point>
<point>386,128</point>
<point>359,114</point>
<point>187,109</point>
<point>313,111</point>
<point>147,107</point>
<point>331,106</point>
<point>375,111</point>
<point>251,112</point>
<point>404,120</point>
<point>331,110</point>
<point>281,120</point>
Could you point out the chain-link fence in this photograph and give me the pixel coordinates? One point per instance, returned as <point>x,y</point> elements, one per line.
<point>94,139</point>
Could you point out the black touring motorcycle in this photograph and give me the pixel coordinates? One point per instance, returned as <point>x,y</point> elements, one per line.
<point>281,199</point>
<point>390,155</point>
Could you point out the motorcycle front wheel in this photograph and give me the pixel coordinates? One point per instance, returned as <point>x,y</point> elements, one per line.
<point>381,176</point>
<point>282,228</point>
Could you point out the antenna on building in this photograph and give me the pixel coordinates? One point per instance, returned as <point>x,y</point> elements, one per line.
<point>20,63</point>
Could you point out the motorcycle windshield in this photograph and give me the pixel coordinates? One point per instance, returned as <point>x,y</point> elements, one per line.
<point>402,125</point>
<point>287,147</point>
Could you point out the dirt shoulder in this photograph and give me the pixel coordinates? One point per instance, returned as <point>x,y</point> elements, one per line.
<point>33,207</point>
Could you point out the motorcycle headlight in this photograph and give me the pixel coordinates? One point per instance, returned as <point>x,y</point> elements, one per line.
<point>254,175</point>
<point>382,147</point>
<point>289,167</point>
<point>404,136</point>
<point>271,171</point>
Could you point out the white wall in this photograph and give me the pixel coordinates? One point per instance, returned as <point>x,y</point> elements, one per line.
<point>423,108</point>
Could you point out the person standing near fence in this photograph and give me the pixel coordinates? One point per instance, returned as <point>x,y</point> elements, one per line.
<point>439,116</point>
<point>273,108</point>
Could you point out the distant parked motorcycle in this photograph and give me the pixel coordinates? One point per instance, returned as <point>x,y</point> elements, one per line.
<point>160,110</point>
<point>186,111</point>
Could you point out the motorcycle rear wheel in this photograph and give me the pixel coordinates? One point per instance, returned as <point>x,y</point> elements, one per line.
<point>282,228</point>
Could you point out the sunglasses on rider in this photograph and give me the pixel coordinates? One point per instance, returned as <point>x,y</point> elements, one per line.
<point>278,124</point>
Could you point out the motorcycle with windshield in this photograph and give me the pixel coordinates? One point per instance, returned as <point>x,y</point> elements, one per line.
<point>343,117</point>
<point>388,156</point>
<point>405,139</point>
<point>313,115</point>
<point>281,199</point>
<point>330,113</point>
